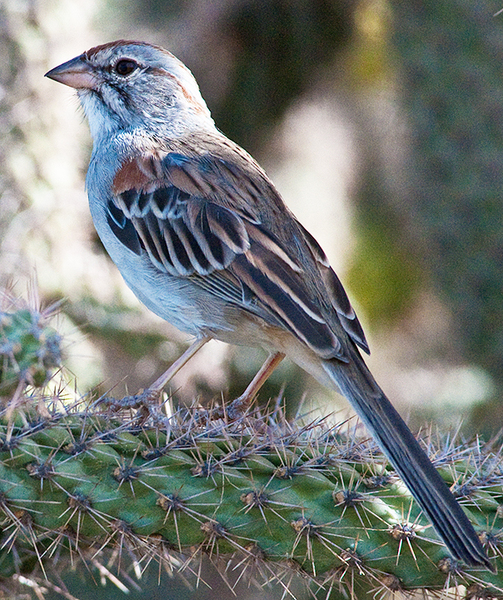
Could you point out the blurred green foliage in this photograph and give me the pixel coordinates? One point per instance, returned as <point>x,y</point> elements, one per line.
<point>277,50</point>
<point>384,275</point>
<point>281,46</point>
<point>450,57</point>
<point>444,62</point>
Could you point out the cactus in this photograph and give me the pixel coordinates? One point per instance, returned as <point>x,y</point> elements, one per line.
<point>277,498</point>
<point>267,498</point>
<point>29,349</point>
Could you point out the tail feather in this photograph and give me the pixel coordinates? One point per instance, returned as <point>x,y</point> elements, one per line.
<point>402,449</point>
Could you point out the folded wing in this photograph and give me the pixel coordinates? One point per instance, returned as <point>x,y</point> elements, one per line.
<point>196,217</point>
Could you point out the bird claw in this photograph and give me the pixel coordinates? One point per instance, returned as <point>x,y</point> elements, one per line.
<point>147,403</point>
<point>238,408</point>
<point>234,411</point>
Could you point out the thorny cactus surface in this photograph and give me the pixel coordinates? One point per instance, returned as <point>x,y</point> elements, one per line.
<point>263,498</point>
<point>29,349</point>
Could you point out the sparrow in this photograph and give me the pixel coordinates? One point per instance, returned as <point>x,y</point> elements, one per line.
<point>205,241</point>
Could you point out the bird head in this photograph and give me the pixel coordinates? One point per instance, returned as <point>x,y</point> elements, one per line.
<point>126,85</point>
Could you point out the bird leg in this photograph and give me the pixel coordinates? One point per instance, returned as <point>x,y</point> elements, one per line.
<point>149,399</point>
<point>240,404</point>
<point>180,362</point>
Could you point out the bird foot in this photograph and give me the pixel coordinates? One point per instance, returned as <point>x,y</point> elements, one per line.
<point>147,403</point>
<point>234,411</point>
<point>238,408</point>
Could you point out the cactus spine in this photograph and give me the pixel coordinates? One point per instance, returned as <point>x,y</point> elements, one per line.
<point>274,498</point>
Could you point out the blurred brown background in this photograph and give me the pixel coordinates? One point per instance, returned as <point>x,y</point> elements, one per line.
<point>381,122</point>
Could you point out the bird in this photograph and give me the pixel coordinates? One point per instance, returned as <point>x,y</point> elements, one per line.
<point>203,238</point>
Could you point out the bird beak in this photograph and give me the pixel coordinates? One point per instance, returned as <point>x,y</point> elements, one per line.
<point>76,73</point>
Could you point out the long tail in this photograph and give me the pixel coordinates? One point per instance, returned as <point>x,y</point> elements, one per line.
<point>408,458</point>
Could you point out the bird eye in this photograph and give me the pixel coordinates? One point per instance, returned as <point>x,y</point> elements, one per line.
<point>125,67</point>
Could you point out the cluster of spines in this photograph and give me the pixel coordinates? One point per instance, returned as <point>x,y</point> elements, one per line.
<point>30,350</point>
<point>280,500</point>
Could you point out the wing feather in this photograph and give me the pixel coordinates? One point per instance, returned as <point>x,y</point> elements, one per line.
<point>176,209</point>
<point>276,296</point>
<point>337,293</point>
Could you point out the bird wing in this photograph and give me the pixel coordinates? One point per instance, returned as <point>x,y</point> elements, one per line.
<point>198,217</point>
